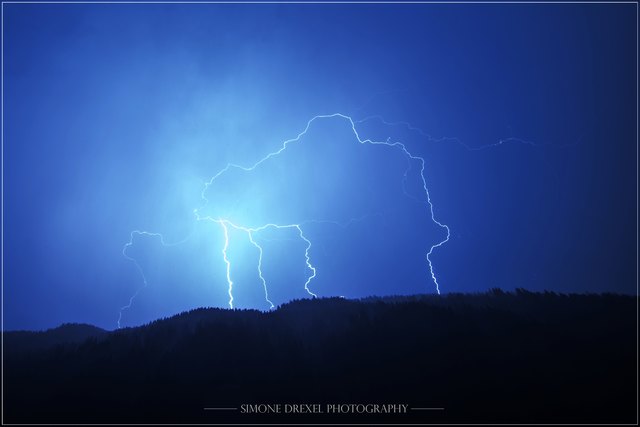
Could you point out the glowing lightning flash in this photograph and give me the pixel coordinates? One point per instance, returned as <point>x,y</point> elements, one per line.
<point>306,255</point>
<point>226,261</point>
<point>264,282</point>
<point>225,223</point>
<point>284,147</point>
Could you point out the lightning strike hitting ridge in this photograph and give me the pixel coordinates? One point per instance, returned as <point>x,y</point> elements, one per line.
<point>264,282</point>
<point>226,223</point>
<point>362,141</point>
<point>226,260</point>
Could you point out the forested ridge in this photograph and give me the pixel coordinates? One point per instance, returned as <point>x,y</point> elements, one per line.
<point>517,357</point>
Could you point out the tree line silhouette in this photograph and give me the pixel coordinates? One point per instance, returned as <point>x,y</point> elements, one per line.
<point>494,357</point>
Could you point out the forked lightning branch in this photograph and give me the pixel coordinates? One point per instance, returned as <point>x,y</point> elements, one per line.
<point>250,232</point>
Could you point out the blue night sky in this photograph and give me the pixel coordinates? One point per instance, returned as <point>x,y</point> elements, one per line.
<point>117,115</point>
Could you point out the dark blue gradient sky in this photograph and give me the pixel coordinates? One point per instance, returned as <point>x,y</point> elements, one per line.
<point>116,115</point>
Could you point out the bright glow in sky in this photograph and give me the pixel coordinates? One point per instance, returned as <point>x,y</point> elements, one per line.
<point>117,115</point>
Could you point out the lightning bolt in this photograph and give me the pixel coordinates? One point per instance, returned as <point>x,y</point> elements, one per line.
<point>454,139</point>
<point>226,260</point>
<point>352,123</point>
<point>501,141</point>
<point>139,267</point>
<point>225,223</point>
<point>308,260</point>
<point>262,279</point>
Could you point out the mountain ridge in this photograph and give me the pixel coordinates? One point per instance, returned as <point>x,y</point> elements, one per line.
<point>573,355</point>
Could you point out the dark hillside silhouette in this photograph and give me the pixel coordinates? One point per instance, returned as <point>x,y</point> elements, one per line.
<point>485,358</point>
<point>68,333</point>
